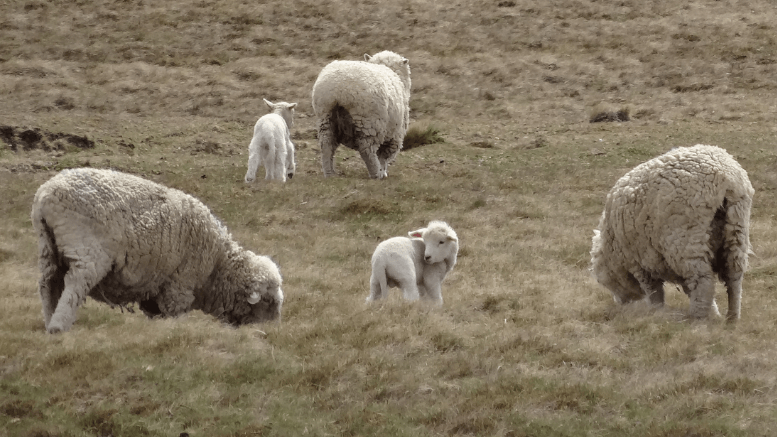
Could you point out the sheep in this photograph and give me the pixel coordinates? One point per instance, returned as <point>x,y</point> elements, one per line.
<point>122,239</point>
<point>364,105</point>
<point>271,144</point>
<point>417,265</point>
<point>681,217</point>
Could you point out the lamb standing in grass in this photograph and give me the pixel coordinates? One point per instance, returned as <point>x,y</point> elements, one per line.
<point>271,144</point>
<point>121,239</point>
<point>366,107</point>
<point>681,217</point>
<point>417,266</point>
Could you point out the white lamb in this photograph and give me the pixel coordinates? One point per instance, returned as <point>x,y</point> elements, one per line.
<point>271,144</point>
<point>122,239</point>
<point>417,265</point>
<point>681,217</point>
<point>366,107</point>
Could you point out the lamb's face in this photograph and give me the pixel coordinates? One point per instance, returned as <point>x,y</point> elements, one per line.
<point>264,293</point>
<point>439,246</point>
<point>440,241</point>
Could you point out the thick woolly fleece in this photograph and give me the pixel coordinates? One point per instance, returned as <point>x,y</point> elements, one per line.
<point>271,144</point>
<point>417,265</point>
<point>681,217</point>
<point>366,107</point>
<point>121,239</point>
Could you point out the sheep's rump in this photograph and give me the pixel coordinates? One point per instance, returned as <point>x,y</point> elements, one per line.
<point>151,235</point>
<point>362,96</point>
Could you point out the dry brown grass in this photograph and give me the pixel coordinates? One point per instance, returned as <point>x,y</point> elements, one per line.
<point>526,343</point>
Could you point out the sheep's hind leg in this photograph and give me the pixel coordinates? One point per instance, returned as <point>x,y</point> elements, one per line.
<point>79,280</point>
<point>254,161</point>
<point>368,151</point>
<point>328,145</point>
<point>376,289</point>
<point>734,291</point>
<point>51,283</point>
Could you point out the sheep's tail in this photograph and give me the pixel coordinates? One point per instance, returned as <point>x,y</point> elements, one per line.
<point>51,283</point>
<point>378,284</point>
<point>736,232</point>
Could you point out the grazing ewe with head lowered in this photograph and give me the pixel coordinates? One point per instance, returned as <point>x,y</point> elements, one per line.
<point>682,217</point>
<point>366,107</point>
<point>271,144</point>
<point>122,239</point>
<point>417,266</point>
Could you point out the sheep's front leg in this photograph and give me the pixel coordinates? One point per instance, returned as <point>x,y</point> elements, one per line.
<point>386,155</point>
<point>652,287</point>
<point>701,291</point>
<point>173,301</point>
<point>79,280</point>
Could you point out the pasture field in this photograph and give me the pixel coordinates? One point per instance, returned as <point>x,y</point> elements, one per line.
<point>526,344</point>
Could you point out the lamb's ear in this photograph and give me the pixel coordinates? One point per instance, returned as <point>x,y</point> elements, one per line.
<point>254,298</point>
<point>293,105</point>
<point>367,57</point>
<point>452,238</point>
<point>405,61</point>
<point>269,103</point>
<point>417,234</point>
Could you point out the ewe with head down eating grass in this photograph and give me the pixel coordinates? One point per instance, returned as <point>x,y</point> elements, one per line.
<point>681,217</point>
<point>121,239</point>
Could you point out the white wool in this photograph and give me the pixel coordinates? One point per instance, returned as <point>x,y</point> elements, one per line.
<point>417,265</point>
<point>271,144</point>
<point>364,105</point>
<point>682,217</point>
<point>121,239</point>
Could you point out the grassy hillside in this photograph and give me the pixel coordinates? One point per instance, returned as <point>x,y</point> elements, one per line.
<point>527,344</point>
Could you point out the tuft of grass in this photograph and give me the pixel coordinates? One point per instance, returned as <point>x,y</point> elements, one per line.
<point>417,136</point>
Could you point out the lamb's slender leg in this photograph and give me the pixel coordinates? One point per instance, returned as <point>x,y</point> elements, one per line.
<point>270,156</point>
<point>79,280</point>
<point>433,292</point>
<point>328,145</point>
<point>254,160</point>
<point>409,290</point>
<point>376,291</point>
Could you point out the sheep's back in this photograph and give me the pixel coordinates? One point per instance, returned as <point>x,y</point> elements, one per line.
<point>153,234</point>
<point>669,199</point>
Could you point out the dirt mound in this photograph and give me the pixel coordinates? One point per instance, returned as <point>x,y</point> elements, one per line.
<point>34,138</point>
